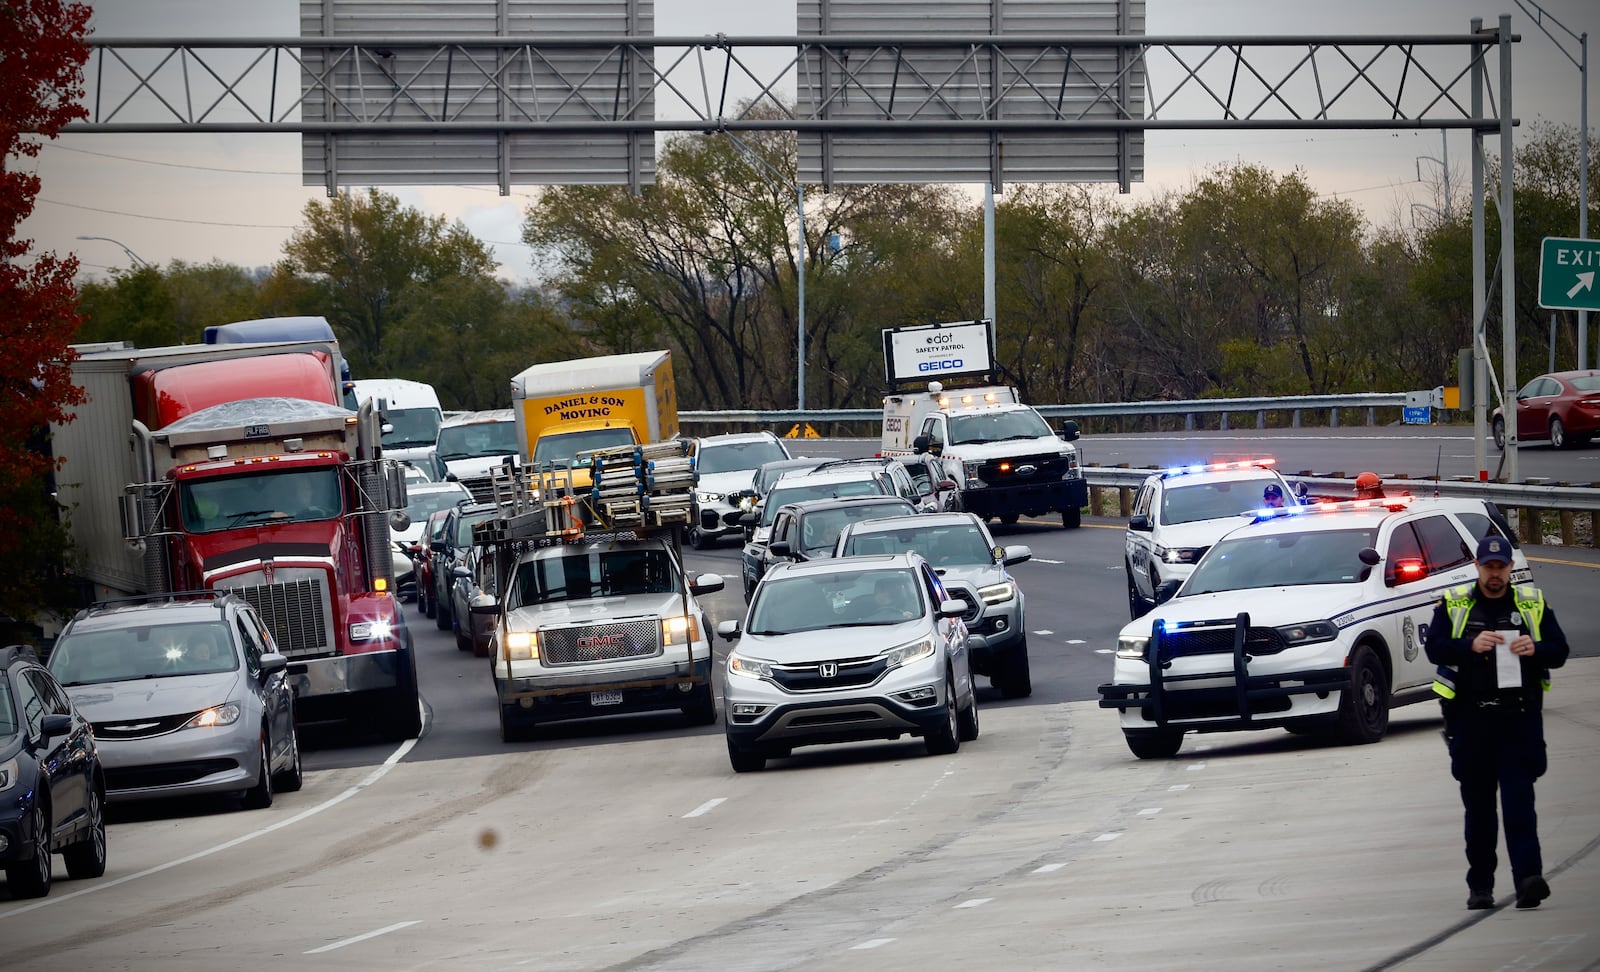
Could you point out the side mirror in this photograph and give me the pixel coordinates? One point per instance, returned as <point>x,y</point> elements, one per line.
<point>780,548</point>
<point>484,605</point>
<point>706,584</point>
<point>459,572</point>
<point>749,519</point>
<point>952,608</point>
<point>1370,556</point>
<point>437,546</point>
<point>920,444</point>
<point>729,630</point>
<point>1069,430</point>
<point>272,662</point>
<point>1140,522</point>
<point>55,725</point>
<point>947,484</point>
<point>399,521</point>
<point>1166,589</point>
<point>1016,553</point>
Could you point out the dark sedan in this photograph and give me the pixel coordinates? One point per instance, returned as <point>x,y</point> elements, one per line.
<point>52,788</point>
<point>1562,407</point>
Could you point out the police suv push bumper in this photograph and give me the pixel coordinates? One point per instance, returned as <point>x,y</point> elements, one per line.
<point>1189,691</point>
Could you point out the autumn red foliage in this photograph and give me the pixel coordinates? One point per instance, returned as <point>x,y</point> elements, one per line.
<point>42,53</point>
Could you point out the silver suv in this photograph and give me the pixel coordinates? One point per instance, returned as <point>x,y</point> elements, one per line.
<point>973,569</point>
<point>847,649</point>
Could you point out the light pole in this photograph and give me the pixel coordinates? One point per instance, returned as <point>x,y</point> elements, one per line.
<point>1581,62</point>
<point>775,179</point>
<point>138,261</point>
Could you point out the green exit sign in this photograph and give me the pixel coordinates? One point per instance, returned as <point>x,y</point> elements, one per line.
<point>1568,272</point>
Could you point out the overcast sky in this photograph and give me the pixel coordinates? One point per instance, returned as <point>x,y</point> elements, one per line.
<point>236,198</point>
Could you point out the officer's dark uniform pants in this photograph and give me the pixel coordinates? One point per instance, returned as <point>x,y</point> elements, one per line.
<point>1498,747</point>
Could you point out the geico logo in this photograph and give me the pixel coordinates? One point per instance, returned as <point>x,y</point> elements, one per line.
<point>945,365</point>
<point>601,641</point>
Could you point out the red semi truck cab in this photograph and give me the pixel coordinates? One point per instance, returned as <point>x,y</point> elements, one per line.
<point>287,503</point>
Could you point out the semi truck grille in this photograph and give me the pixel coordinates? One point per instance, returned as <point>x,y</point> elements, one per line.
<point>296,612</point>
<point>605,642</point>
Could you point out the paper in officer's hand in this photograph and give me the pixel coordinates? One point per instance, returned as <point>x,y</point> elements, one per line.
<point>1507,667</point>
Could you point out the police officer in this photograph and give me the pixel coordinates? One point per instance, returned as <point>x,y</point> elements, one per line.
<point>1493,723</point>
<point>1272,496</point>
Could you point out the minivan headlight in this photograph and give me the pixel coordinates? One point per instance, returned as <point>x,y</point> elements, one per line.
<point>225,714</point>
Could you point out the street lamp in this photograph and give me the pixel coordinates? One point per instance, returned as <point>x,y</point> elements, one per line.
<point>1581,62</point>
<point>137,260</point>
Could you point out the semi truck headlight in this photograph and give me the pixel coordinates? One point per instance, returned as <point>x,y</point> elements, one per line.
<point>998,593</point>
<point>1132,646</point>
<point>218,715</point>
<point>521,645</point>
<point>370,630</point>
<point>679,630</point>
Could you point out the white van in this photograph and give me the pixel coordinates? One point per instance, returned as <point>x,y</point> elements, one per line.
<point>411,419</point>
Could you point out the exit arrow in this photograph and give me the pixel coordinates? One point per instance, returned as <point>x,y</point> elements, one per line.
<point>1585,282</point>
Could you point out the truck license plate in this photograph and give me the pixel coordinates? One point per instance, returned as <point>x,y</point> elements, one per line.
<point>605,698</point>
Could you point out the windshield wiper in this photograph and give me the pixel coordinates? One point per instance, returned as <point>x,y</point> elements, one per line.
<point>238,517</point>
<point>456,455</point>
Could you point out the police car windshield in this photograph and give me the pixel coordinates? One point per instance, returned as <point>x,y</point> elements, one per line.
<point>1282,560</point>
<point>997,426</point>
<point>1189,502</point>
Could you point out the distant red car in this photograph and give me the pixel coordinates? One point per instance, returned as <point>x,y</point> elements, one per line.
<point>1563,407</point>
<point>422,563</point>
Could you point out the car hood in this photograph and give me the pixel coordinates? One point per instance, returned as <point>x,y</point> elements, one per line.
<point>597,610</point>
<point>1267,606</point>
<point>726,482</point>
<point>474,467</point>
<point>832,644</point>
<point>149,697</point>
<point>978,575</point>
<point>1009,448</point>
<point>1200,533</point>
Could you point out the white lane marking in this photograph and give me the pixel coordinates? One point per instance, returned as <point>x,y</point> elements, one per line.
<point>1044,632</point>
<point>1194,767</point>
<point>705,807</point>
<point>1105,837</point>
<point>1149,811</point>
<point>1041,560</point>
<point>974,903</point>
<point>873,943</point>
<point>1076,641</point>
<point>329,803</point>
<point>1179,786</point>
<point>361,938</point>
<point>1104,651</point>
<point>1047,868</point>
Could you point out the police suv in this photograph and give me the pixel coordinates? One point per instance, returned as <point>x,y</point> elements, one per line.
<point>1180,512</point>
<point>1309,617</point>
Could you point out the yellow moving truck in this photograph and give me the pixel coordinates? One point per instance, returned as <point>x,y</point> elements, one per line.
<point>566,407</point>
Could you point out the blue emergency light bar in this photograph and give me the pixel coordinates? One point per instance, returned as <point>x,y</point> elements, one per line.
<point>1391,503</point>
<point>1220,466</point>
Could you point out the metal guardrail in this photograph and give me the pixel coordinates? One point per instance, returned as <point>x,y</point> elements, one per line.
<point>1223,407</point>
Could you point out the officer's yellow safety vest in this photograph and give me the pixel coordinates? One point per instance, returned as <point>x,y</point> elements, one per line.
<point>1458,602</point>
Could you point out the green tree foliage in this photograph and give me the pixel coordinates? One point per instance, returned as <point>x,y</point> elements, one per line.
<point>152,307</point>
<point>370,259</point>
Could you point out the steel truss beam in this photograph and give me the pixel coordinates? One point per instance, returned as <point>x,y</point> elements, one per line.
<point>612,85</point>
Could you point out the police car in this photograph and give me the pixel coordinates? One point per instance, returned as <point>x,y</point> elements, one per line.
<point>1179,512</point>
<point>1310,617</point>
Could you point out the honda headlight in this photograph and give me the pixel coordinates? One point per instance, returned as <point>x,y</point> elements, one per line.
<point>748,667</point>
<point>1132,646</point>
<point>1309,633</point>
<point>998,593</point>
<point>521,645</point>
<point>679,630</point>
<point>906,654</point>
<point>225,714</point>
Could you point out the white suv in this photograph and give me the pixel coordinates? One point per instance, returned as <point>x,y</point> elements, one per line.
<point>1310,617</point>
<point>727,465</point>
<point>1179,512</point>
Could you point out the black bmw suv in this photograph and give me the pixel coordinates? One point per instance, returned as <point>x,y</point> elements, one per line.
<point>52,789</point>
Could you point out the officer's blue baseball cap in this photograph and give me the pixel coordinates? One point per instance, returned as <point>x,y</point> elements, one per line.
<point>1494,550</point>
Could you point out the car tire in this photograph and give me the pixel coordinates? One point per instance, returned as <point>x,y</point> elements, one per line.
<point>425,604</point>
<point>1016,680</point>
<point>702,707</point>
<point>1558,434</point>
<point>463,641</point>
<point>1154,744</point>
<point>402,716</point>
<point>1499,428</point>
<point>947,738</point>
<point>698,540</point>
<point>1364,706</point>
<point>1071,519</point>
<point>1010,519</point>
<point>745,760</point>
<point>259,797</point>
<point>516,727</point>
<point>31,878</point>
<point>291,779</point>
<point>87,858</point>
<point>967,722</point>
<point>441,611</point>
